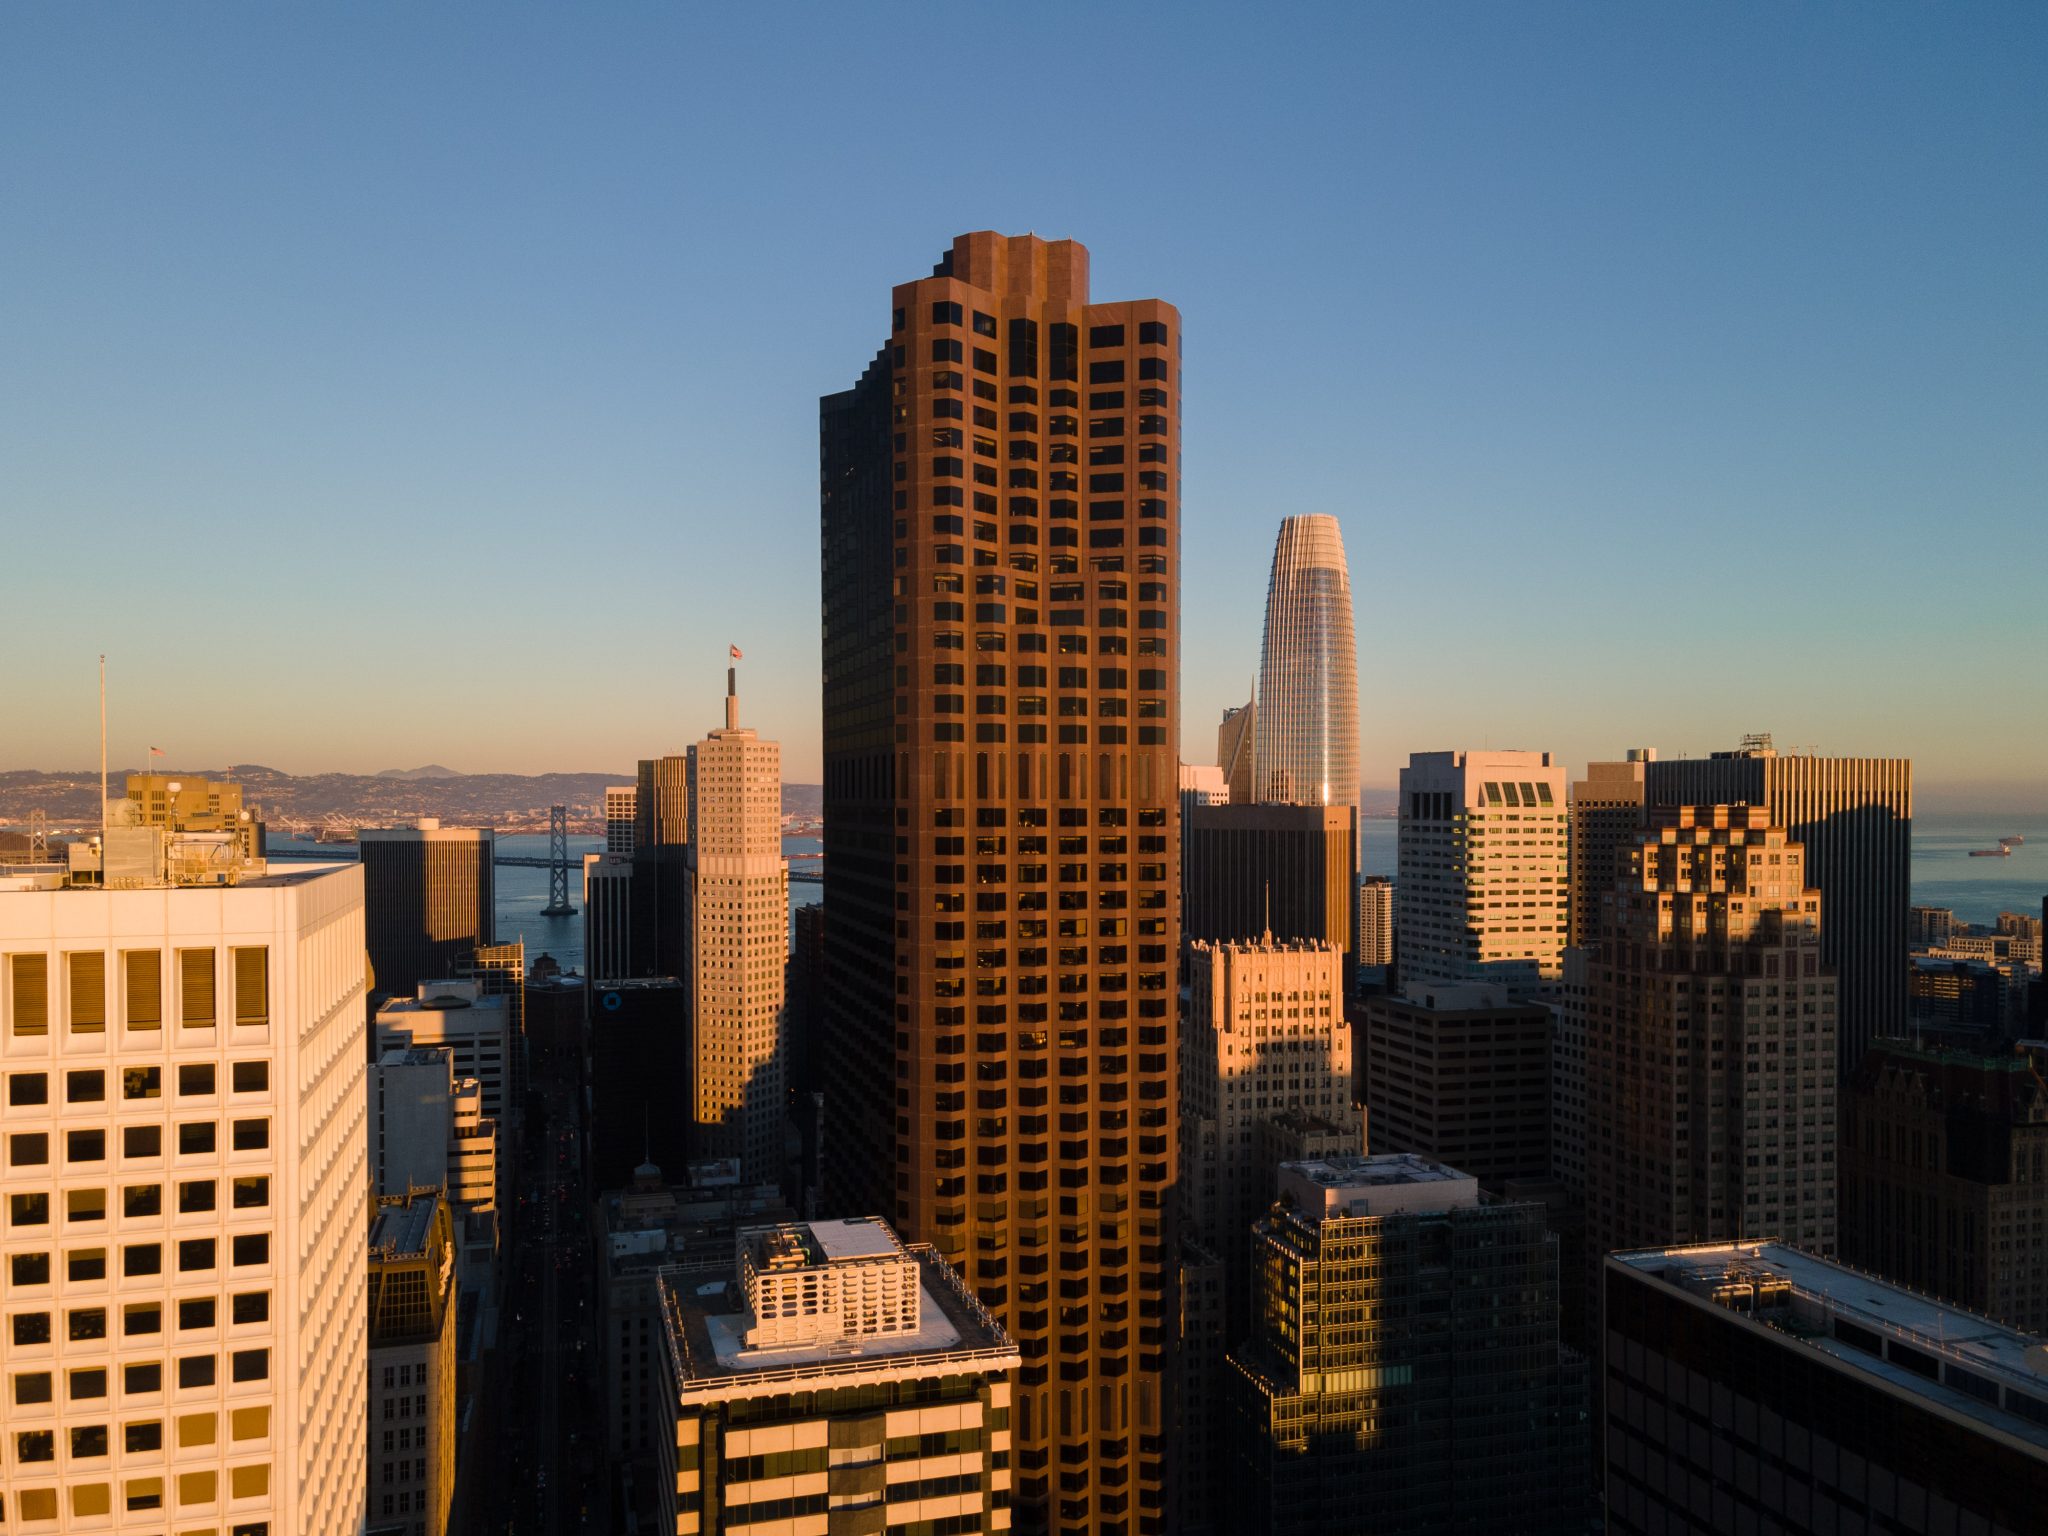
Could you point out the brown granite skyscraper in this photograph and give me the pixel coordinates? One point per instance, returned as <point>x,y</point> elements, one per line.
<point>1001,648</point>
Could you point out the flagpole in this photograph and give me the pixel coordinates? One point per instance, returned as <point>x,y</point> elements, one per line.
<point>103,755</point>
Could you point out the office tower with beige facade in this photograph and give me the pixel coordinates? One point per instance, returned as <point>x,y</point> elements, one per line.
<point>186,1187</point>
<point>1305,749</point>
<point>430,896</point>
<point>428,1129</point>
<point>1606,816</point>
<point>412,1365</point>
<point>1375,923</point>
<point>1481,892</point>
<point>1710,1083</point>
<point>1853,816</point>
<point>1001,650</point>
<point>828,1378</point>
<point>1234,747</point>
<point>621,818</point>
<point>739,944</point>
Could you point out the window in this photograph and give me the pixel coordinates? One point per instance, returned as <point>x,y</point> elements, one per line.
<point>195,1195</point>
<point>144,1435</point>
<point>252,1192</point>
<point>195,988</point>
<point>1106,373</point>
<point>146,1377</point>
<point>85,1087</point>
<point>28,1087</point>
<point>1152,333</point>
<point>89,1384</point>
<point>28,1149</point>
<point>89,1440</point>
<point>142,1141</point>
<point>251,1307</point>
<point>88,992</point>
<point>946,350</point>
<point>31,1210</point>
<point>984,325</point>
<point>29,1269</point>
<point>31,977</point>
<point>85,1146</point>
<point>252,1248</point>
<point>196,1253</point>
<point>195,1078</point>
<point>945,313</point>
<point>35,1445</point>
<point>142,1259</point>
<point>1105,335</point>
<point>32,1387</point>
<point>196,1371</point>
<point>86,1264</point>
<point>142,1082</point>
<point>142,1319</point>
<point>86,1323</point>
<point>196,1136</point>
<point>196,1312</point>
<point>250,1365</point>
<point>144,969</point>
<point>251,1077</point>
<point>252,985</point>
<point>142,1200</point>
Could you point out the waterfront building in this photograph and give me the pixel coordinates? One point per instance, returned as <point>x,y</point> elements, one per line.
<point>1751,1386</point>
<point>609,886</point>
<point>1264,1034</point>
<point>430,899</point>
<point>1376,924</point>
<point>639,1076</point>
<point>1234,745</point>
<point>187,1188</point>
<point>1305,749</point>
<point>1481,892</point>
<point>1710,1086</point>
<point>739,947</point>
<point>1606,816</point>
<point>1460,1074</point>
<point>1943,1157</point>
<point>828,1377</point>
<point>1288,870</point>
<point>1853,816</point>
<point>428,1129</point>
<point>1456,1409</point>
<point>1001,644</point>
<point>412,1365</point>
<point>621,818</point>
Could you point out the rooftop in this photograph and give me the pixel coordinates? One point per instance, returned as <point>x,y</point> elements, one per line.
<point>400,1231</point>
<point>1378,1185</point>
<point>705,1316</point>
<point>1915,1343</point>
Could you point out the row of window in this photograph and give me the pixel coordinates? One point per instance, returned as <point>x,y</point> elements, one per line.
<point>195,1255</point>
<point>94,1501</point>
<point>88,997</point>
<point>88,1085</point>
<point>251,1192</point>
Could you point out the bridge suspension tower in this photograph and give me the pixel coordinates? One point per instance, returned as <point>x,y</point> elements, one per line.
<point>558,864</point>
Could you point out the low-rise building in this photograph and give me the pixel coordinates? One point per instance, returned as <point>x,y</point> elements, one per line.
<point>828,1378</point>
<point>412,1365</point>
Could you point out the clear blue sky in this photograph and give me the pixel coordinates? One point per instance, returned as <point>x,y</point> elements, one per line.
<point>385,383</point>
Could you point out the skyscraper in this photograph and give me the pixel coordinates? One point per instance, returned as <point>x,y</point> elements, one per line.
<point>1279,869</point>
<point>1376,922</point>
<point>739,945</point>
<point>1481,891</point>
<point>1001,634</point>
<point>1404,1375</point>
<point>1606,815</point>
<point>621,817</point>
<point>1306,731</point>
<point>1234,752</point>
<point>1710,1087</point>
<point>187,1185</point>
<point>429,897</point>
<point>411,1465</point>
<point>1854,818</point>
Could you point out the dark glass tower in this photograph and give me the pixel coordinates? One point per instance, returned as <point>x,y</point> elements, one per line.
<point>1001,640</point>
<point>429,902</point>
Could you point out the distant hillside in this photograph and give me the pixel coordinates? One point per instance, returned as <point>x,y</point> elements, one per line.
<point>508,801</point>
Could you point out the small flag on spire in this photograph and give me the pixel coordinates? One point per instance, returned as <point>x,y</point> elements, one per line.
<point>734,651</point>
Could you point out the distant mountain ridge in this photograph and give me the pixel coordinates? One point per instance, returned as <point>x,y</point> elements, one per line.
<point>510,801</point>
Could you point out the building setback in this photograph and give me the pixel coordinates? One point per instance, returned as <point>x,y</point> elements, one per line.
<point>1752,1387</point>
<point>1306,739</point>
<point>1854,818</point>
<point>1945,1177</point>
<point>828,1378</point>
<point>1460,1074</point>
<point>429,895</point>
<point>187,1189</point>
<point>1404,1376</point>
<point>1481,892</point>
<point>1001,639</point>
<point>1710,1089</point>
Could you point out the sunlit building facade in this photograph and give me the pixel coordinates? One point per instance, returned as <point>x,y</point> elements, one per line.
<point>1306,730</point>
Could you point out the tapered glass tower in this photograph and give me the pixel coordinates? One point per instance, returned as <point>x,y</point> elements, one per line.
<point>1307,717</point>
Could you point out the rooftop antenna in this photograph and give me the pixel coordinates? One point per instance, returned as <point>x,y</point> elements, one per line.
<point>103,749</point>
<point>1269,912</point>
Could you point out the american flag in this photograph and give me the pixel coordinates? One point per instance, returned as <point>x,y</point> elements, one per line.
<point>734,651</point>
<point>156,751</point>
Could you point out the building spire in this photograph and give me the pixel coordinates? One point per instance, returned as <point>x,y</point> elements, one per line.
<point>732,691</point>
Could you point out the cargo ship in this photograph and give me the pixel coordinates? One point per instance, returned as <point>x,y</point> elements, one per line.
<point>2000,852</point>
<point>2010,842</point>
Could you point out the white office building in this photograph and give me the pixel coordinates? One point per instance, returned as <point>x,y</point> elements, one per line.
<point>187,1190</point>
<point>1482,893</point>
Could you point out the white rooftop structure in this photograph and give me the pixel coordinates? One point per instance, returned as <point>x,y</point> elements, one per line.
<point>1385,1184</point>
<point>825,1282</point>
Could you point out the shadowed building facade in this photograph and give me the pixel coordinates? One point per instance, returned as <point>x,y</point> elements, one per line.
<point>429,900</point>
<point>1854,818</point>
<point>1306,748</point>
<point>1279,869</point>
<point>1000,539</point>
